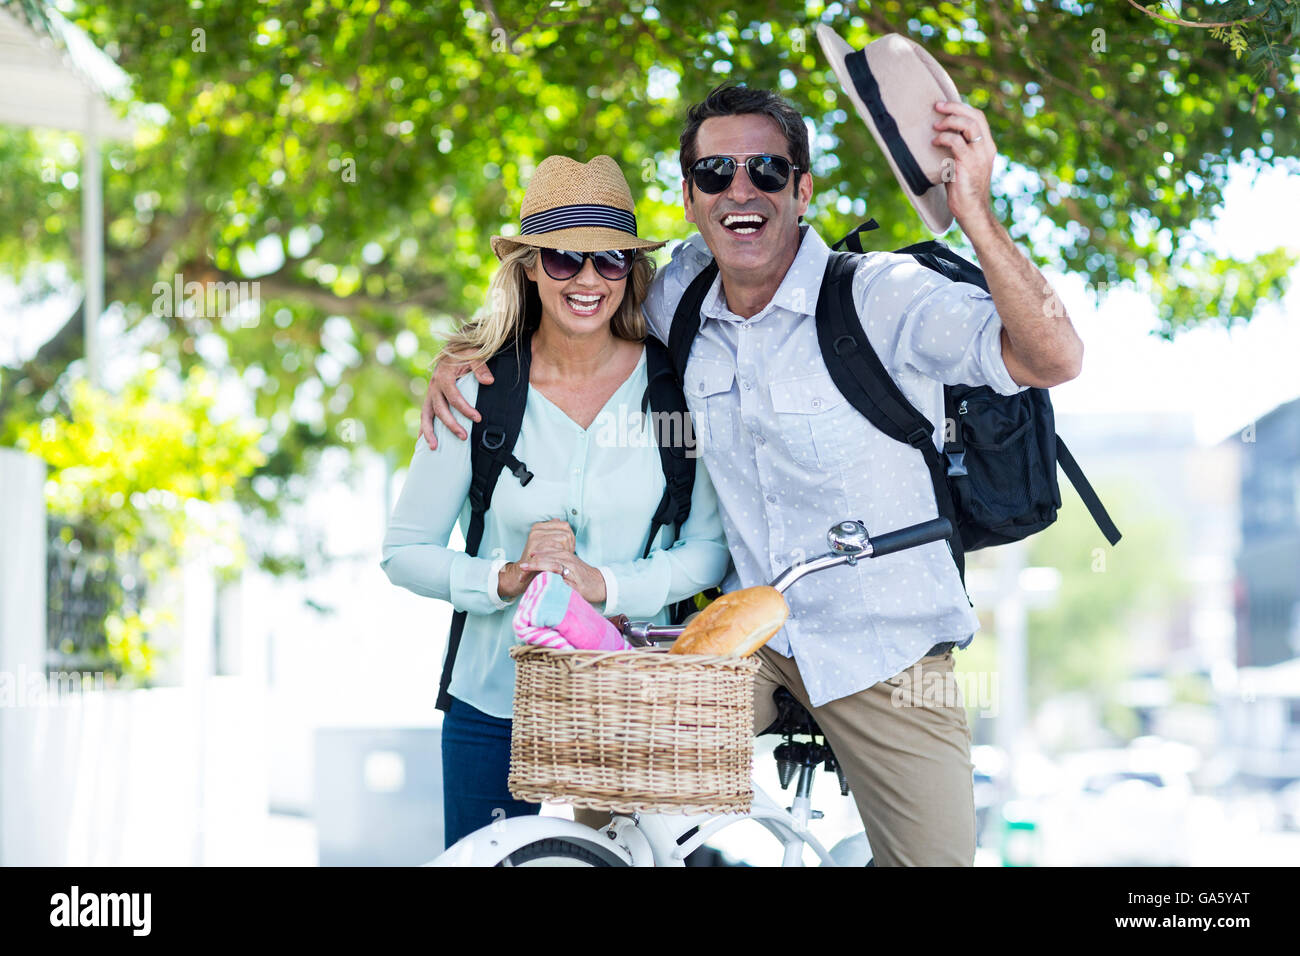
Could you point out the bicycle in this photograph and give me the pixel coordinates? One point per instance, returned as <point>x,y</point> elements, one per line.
<point>657,839</point>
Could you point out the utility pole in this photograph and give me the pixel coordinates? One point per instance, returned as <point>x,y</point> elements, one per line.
<point>1010,625</point>
<point>92,238</point>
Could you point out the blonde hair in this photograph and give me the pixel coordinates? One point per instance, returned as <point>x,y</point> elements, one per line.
<point>502,319</point>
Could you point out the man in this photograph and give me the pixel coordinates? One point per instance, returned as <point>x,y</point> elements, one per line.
<point>789,456</point>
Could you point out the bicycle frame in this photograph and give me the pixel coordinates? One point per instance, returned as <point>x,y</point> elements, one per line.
<point>638,839</point>
<point>491,844</point>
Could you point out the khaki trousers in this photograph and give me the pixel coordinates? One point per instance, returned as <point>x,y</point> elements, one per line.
<point>904,746</point>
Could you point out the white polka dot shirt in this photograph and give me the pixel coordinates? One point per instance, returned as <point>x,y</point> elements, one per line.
<point>790,457</point>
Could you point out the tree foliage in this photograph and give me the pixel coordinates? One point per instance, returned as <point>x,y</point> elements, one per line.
<point>142,476</point>
<point>354,156</point>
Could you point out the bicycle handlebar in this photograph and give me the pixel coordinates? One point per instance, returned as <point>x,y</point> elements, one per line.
<point>936,529</point>
<point>849,542</point>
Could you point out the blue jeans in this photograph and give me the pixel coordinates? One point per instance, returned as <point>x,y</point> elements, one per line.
<point>475,765</point>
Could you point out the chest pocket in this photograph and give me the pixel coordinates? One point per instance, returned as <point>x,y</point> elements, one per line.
<point>708,387</point>
<point>818,426</point>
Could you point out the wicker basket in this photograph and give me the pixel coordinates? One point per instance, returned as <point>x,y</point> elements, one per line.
<point>633,730</point>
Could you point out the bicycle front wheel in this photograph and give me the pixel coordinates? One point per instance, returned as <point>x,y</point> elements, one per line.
<point>558,851</point>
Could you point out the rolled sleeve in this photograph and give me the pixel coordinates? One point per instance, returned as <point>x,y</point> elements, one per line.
<point>473,584</point>
<point>494,583</point>
<point>611,590</point>
<point>991,361</point>
<point>916,318</point>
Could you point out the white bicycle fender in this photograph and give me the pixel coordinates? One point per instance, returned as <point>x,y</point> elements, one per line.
<point>490,845</point>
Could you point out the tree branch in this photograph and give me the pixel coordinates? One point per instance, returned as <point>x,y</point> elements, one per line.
<point>1189,23</point>
<point>280,284</point>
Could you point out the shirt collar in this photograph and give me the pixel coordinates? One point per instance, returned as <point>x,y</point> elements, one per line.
<point>796,294</point>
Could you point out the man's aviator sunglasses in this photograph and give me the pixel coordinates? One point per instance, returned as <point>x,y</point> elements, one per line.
<point>563,264</point>
<point>713,174</point>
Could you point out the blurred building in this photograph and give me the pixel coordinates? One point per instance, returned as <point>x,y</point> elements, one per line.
<point>1261,724</point>
<point>1268,566</point>
<point>1260,707</point>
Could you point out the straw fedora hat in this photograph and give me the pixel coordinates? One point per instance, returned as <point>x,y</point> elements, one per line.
<point>583,207</point>
<point>894,84</point>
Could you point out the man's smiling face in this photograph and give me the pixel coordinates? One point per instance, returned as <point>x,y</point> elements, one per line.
<point>749,232</point>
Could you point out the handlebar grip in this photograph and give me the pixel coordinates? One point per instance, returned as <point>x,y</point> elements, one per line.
<point>936,529</point>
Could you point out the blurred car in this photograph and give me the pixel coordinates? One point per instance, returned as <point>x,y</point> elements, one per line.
<point>1125,809</point>
<point>1288,806</point>
<point>990,785</point>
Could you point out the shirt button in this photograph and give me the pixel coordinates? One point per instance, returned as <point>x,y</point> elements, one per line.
<point>701,386</point>
<point>573,511</point>
<point>748,385</point>
<point>745,325</point>
<point>816,403</point>
<point>760,440</point>
<point>771,499</point>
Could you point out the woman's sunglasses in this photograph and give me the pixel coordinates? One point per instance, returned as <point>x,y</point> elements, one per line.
<point>562,264</point>
<point>713,174</point>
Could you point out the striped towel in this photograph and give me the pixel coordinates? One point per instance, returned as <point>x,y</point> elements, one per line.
<point>552,614</point>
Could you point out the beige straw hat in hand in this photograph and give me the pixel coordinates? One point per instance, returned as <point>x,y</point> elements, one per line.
<point>582,207</point>
<point>893,83</point>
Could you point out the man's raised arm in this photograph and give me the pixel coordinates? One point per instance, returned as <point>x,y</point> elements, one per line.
<point>1039,344</point>
<point>443,396</point>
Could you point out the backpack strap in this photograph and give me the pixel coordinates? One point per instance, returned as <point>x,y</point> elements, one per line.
<point>1089,497</point>
<point>668,424</point>
<point>492,443</point>
<point>664,399</point>
<point>954,447</point>
<point>938,257</point>
<point>679,473</point>
<point>858,373</point>
<point>853,241</point>
<point>686,319</point>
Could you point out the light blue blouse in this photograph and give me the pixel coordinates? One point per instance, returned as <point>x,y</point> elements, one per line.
<point>605,480</point>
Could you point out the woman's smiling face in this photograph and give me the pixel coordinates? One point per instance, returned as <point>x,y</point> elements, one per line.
<point>580,305</point>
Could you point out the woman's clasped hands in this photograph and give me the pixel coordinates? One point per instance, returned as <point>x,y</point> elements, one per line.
<point>551,546</point>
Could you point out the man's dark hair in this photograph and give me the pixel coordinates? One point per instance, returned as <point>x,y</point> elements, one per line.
<point>730,100</point>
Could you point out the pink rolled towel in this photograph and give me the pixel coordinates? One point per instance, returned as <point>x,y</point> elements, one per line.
<point>552,614</point>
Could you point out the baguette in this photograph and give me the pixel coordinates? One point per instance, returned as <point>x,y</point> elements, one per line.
<point>736,624</point>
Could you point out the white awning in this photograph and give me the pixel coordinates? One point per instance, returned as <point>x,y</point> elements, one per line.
<point>53,76</point>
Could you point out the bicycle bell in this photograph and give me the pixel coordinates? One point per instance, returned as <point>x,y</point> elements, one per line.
<point>848,537</point>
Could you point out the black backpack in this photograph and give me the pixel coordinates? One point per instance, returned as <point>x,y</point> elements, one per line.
<point>996,479</point>
<point>492,443</point>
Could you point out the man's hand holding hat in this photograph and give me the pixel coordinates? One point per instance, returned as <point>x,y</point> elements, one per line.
<point>964,130</point>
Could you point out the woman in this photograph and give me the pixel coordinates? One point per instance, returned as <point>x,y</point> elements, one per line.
<point>569,289</point>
